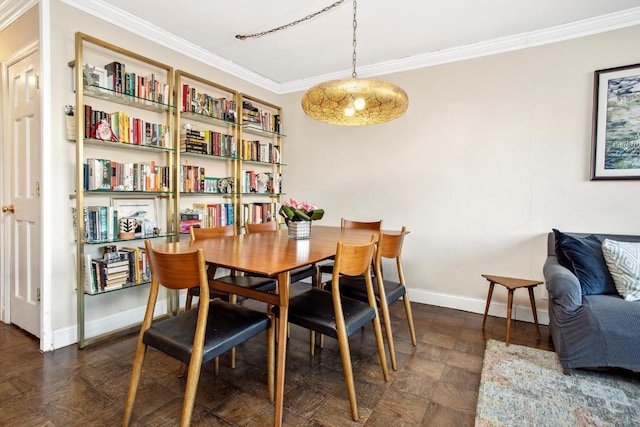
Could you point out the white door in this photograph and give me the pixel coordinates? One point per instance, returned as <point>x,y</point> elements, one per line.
<point>21,209</point>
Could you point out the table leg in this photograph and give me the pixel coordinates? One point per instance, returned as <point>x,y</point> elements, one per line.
<point>486,309</point>
<point>509,305</point>
<point>283,321</point>
<point>535,311</point>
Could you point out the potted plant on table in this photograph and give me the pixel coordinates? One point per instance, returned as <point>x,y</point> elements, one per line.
<point>298,216</point>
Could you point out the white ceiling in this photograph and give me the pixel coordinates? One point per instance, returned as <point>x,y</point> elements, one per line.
<point>391,35</point>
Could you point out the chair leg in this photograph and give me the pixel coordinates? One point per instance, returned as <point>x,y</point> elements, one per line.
<point>345,354</point>
<point>381,353</point>
<point>233,299</point>
<point>312,342</point>
<point>271,365</point>
<point>141,350</point>
<point>384,308</point>
<point>193,376</point>
<point>407,309</point>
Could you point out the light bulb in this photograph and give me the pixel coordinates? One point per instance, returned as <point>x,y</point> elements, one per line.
<point>359,104</point>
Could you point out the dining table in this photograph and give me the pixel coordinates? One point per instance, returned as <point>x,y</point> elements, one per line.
<point>272,254</point>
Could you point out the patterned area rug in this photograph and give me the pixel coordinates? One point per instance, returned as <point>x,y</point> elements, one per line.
<point>523,386</point>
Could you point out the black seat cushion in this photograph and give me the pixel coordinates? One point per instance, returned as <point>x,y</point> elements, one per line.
<point>313,309</point>
<point>263,284</point>
<point>355,287</point>
<point>228,325</point>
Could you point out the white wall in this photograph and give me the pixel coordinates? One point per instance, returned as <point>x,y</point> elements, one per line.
<point>492,154</point>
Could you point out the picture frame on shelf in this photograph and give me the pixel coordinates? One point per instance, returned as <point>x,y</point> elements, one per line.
<point>143,210</point>
<point>94,76</point>
<point>616,124</point>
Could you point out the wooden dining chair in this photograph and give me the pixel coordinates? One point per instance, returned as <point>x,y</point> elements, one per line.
<point>332,314</point>
<point>386,291</point>
<point>194,337</point>
<point>258,283</point>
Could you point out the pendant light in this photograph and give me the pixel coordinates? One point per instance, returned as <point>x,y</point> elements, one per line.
<point>352,101</point>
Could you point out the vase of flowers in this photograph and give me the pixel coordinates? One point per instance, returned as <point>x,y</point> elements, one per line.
<point>298,216</point>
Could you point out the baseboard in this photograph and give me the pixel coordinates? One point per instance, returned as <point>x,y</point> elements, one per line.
<point>473,305</point>
<point>66,336</point>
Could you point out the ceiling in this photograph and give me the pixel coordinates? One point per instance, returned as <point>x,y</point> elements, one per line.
<point>391,36</point>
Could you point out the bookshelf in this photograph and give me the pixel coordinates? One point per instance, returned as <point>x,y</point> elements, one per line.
<point>194,150</point>
<point>124,168</point>
<point>260,157</point>
<point>207,129</point>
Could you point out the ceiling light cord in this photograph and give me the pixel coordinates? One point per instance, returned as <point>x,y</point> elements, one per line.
<point>291,24</point>
<point>355,27</point>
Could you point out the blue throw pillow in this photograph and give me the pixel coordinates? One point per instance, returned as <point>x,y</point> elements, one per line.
<point>583,256</point>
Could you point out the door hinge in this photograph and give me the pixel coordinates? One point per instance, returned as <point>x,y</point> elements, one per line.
<point>37,81</point>
<point>38,294</point>
<point>38,188</point>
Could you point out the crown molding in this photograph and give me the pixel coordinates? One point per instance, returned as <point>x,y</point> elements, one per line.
<point>587,27</point>
<point>142,28</point>
<point>125,20</point>
<point>12,10</point>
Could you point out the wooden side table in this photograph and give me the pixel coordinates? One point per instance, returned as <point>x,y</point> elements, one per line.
<point>512,284</point>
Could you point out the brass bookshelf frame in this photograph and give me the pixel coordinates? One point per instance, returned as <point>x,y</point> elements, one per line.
<point>172,207</point>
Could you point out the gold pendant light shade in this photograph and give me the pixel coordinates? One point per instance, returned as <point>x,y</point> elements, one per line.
<point>355,102</point>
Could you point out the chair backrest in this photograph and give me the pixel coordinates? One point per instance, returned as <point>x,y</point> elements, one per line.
<point>209,233</point>
<point>261,227</point>
<point>353,260</point>
<point>361,225</point>
<point>390,246</point>
<point>177,270</point>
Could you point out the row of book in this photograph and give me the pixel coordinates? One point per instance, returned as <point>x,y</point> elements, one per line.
<point>198,102</point>
<point>208,142</point>
<point>255,213</point>
<point>100,223</point>
<point>145,87</point>
<point>260,119</point>
<point>121,127</point>
<point>260,151</point>
<point>104,174</point>
<point>261,182</point>
<point>207,215</point>
<point>128,266</point>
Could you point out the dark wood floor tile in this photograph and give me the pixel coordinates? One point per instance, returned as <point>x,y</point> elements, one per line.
<point>18,411</point>
<point>455,397</point>
<point>433,352</point>
<point>469,362</point>
<point>436,338</point>
<point>439,416</point>
<point>413,383</point>
<point>170,413</point>
<point>304,401</point>
<point>336,412</point>
<point>403,406</point>
<point>460,377</point>
<point>241,408</point>
<point>430,368</point>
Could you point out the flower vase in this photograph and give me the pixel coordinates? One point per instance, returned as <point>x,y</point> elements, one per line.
<point>299,229</point>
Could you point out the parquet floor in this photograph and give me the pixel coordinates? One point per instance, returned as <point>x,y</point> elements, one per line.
<point>436,383</point>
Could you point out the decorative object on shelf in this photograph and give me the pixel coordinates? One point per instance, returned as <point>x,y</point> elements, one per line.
<point>616,141</point>
<point>352,101</point>
<point>298,216</point>
<point>127,227</point>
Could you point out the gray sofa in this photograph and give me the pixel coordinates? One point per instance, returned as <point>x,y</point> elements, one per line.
<point>590,331</point>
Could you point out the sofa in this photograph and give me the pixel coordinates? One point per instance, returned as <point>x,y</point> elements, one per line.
<point>591,326</point>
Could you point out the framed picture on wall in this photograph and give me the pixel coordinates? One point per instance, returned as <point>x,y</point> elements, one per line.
<point>142,210</point>
<point>616,124</point>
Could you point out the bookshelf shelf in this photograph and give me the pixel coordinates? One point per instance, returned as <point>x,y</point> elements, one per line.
<point>105,241</point>
<point>252,129</point>
<point>124,99</point>
<point>127,285</point>
<point>125,145</point>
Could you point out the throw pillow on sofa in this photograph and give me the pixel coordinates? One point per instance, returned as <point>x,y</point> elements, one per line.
<point>583,256</point>
<point>623,260</point>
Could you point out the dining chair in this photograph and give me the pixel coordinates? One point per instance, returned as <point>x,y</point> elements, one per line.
<point>194,337</point>
<point>258,283</point>
<point>332,314</point>
<point>386,291</point>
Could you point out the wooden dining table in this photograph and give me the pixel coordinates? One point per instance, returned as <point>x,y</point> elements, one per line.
<point>273,254</point>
